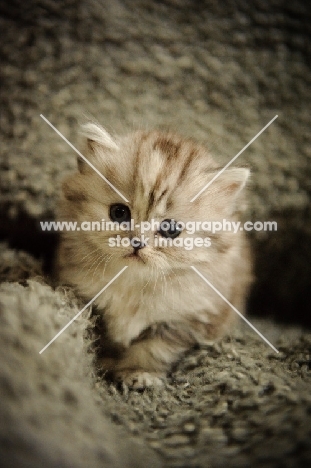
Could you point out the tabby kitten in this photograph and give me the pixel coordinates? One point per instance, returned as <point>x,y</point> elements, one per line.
<point>158,308</point>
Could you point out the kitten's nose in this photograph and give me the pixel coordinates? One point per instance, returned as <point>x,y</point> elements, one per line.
<point>139,245</point>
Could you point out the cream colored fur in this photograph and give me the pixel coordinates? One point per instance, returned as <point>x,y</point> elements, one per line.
<point>159,307</point>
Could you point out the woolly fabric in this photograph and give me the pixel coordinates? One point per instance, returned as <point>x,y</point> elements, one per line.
<point>50,412</point>
<point>236,403</point>
<point>216,72</point>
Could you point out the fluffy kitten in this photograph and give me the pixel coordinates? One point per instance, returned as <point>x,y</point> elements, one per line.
<point>159,307</point>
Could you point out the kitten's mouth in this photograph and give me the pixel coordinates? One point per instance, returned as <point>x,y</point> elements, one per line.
<point>134,256</point>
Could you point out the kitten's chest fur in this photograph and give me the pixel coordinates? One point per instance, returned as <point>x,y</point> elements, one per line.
<point>133,305</point>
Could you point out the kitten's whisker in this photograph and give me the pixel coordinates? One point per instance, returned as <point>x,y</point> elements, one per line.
<point>78,253</point>
<point>163,282</point>
<point>176,287</point>
<point>156,281</point>
<point>88,267</point>
<point>173,289</point>
<point>145,286</point>
<point>102,258</point>
<point>176,277</point>
<point>93,262</point>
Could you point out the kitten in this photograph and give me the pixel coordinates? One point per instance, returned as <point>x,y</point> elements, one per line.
<point>159,307</point>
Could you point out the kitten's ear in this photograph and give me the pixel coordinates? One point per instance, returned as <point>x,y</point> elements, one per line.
<point>227,188</point>
<point>98,141</point>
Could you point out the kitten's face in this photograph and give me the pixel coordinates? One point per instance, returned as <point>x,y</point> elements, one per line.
<point>159,174</point>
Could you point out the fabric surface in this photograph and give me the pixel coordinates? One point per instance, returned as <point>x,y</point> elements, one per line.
<point>215,71</point>
<point>236,403</point>
<point>50,413</point>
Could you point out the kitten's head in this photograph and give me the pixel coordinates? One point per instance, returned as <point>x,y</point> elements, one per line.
<point>158,174</point>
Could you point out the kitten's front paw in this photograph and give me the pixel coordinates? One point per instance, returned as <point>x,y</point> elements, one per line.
<point>139,380</point>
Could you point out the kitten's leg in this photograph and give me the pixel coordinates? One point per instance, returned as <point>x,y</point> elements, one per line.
<point>148,359</point>
<point>146,362</point>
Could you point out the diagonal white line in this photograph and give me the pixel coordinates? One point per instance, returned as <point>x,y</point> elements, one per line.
<point>82,310</point>
<point>235,310</point>
<point>233,159</point>
<point>83,157</point>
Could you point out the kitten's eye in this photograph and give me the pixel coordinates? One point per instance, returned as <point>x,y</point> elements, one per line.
<point>120,213</point>
<point>169,228</point>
